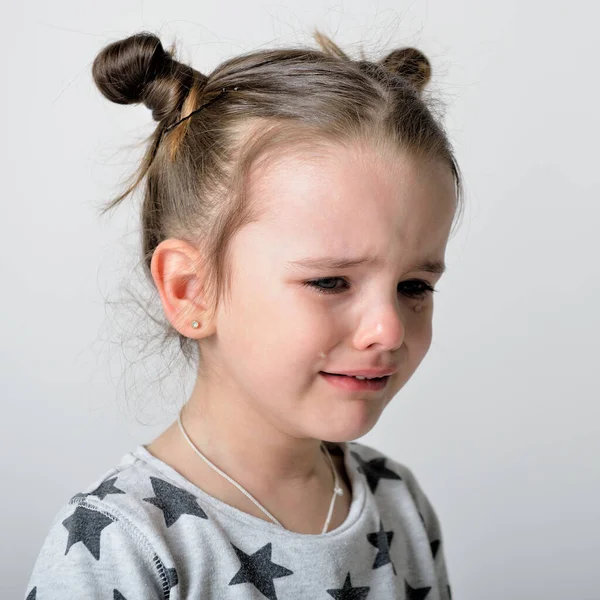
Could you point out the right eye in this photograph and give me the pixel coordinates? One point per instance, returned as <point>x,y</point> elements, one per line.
<point>316,284</point>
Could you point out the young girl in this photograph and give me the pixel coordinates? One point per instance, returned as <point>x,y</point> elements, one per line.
<point>296,212</point>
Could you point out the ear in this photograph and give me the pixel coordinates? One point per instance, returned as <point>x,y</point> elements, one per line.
<point>176,268</point>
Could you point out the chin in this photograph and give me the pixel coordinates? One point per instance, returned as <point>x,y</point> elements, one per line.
<point>349,431</point>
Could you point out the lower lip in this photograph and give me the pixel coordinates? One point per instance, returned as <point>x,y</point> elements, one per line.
<point>355,385</point>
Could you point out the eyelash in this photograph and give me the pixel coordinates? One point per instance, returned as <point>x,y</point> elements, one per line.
<point>427,289</point>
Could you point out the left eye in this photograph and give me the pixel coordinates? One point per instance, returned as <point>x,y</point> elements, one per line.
<point>417,288</point>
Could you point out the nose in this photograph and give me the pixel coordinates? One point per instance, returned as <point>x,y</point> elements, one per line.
<point>382,326</point>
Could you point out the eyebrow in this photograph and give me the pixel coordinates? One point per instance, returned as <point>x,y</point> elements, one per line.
<point>331,262</point>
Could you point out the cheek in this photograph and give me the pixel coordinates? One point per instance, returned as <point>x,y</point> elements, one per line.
<point>299,337</point>
<point>277,334</point>
<point>419,335</point>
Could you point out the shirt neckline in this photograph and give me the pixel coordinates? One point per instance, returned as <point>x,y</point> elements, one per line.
<point>357,483</point>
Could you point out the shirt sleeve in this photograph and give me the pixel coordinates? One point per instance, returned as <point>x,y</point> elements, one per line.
<point>434,533</point>
<point>92,552</point>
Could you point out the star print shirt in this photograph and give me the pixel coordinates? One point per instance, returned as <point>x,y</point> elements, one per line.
<point>144,532</point>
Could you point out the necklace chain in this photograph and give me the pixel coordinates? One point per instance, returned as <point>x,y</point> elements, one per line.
<point>337,490</point>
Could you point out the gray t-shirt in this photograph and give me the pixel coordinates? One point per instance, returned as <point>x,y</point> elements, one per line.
<point>142,531</point>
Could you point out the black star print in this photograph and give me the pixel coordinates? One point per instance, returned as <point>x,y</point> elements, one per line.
<point>374,470</point>
<point>258,569</point>
<point>117,595</point>
<point>415,593</point>
<point>103,490</point>
<point>382,541</point>
<point>174,501</point>
<point>348,592</point>
<point>173,579</point>
<point>435,544</point>
<point>32,594</point>
<point>86,526</point>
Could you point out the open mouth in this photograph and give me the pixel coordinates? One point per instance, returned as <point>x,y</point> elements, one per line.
<point>351,383</point>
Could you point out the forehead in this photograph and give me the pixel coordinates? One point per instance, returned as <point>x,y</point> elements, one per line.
<point>340,199</point>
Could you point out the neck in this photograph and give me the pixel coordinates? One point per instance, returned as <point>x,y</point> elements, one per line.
<point>249,448</point>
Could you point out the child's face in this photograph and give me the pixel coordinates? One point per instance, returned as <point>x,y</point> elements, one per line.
<point>276,334</point>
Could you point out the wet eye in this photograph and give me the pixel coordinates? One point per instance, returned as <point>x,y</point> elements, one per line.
<point>422,289</point>
<point>415,288</point>
<point>322,288</point>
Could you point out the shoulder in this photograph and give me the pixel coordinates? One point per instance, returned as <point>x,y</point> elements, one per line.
<point>408,498</point>
<point>141,495</point>
<point>381,465</point>
<point>365,453</point>
<point>106,535</point>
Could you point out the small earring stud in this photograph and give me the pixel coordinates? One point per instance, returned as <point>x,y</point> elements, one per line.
<point>195,324</point>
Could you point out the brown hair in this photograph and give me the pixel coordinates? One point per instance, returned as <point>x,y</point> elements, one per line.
<point>195,173</point>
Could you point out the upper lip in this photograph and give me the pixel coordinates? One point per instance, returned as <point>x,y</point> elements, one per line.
<point>365,372</point>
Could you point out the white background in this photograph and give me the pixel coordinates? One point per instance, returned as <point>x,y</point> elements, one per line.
<point>501,421</point>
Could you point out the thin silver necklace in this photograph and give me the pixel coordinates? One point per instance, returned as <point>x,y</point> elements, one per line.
<point>337,490</point>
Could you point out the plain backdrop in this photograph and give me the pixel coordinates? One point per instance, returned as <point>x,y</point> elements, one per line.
<point>501,421</point>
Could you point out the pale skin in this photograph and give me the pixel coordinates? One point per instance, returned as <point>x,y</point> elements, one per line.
<point>259,408</point>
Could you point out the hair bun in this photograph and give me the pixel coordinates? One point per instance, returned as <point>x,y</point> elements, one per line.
<point>409,63</point>
<point>138,69</point>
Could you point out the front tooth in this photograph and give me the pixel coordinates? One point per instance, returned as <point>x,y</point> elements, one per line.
<point>359,377</point>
